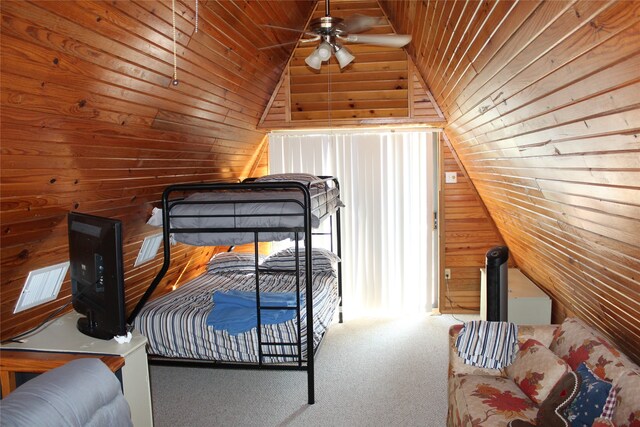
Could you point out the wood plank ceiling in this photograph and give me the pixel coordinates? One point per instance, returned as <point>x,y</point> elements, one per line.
<point>542,108</point>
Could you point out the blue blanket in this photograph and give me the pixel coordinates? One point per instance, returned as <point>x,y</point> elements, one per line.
<point>235,311</point>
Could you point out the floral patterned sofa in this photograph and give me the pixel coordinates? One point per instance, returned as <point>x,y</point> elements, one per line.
<point>563,375</point>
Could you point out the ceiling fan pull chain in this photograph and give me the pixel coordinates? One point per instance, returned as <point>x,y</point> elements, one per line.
<point>329,95</point>
<point>196,16</point>
<point>175,56</point>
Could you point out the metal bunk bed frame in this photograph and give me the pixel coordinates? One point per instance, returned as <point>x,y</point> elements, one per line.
<point>305,205</point>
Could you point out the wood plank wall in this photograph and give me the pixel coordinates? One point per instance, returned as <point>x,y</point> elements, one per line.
<point>542,105</point>
<point>91,122</point>
<point>467,233</point>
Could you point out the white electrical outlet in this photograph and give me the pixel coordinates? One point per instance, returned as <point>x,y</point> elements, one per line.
<point>450,177</point>
<point>447,273</point>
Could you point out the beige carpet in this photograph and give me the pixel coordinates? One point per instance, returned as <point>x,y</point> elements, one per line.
<point>369,372</point>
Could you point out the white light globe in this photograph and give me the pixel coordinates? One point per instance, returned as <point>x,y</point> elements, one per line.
<point>344,57</point>
<point>314,60</point>
<point>324,51</point>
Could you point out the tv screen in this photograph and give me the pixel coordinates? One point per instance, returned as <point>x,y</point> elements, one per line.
<point>97,274</point>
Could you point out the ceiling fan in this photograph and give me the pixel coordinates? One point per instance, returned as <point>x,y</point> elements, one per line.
<point>330,32</point>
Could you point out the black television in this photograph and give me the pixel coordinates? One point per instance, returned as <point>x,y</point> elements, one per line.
<point>97,274</point>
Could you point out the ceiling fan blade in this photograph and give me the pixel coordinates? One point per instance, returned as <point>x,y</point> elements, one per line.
<point>388,40</point>
<point>277,45</point>
<point>277,27</point>
<point>357,23</point>
<point>315,38</point>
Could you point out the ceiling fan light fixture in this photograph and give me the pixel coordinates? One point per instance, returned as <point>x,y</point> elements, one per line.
<point>344,56</point>
<point>324,51</point>
<point>314,60</point>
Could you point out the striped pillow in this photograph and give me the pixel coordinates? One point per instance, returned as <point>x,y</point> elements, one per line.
<point>301,177</point>
<point>304,178</point>
<point>232,262</point>
<point>323,259</point>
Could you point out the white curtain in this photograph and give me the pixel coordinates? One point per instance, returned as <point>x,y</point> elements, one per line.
<point>386,184</point>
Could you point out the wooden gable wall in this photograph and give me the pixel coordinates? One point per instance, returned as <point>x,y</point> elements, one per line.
<point>542,108</point>
<point>466,233</point>
<point>381,86</point>
<point>91,122</point>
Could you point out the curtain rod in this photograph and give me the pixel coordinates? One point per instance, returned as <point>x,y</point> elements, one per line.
<point>355,130</point>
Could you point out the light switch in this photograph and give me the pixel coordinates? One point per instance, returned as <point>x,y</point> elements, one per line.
<point>451,177</point>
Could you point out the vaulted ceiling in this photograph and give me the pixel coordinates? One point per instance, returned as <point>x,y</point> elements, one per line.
<point>538,101</point>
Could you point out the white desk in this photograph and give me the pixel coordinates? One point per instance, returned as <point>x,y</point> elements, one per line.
<point>527,304</point>
<point>63,336</point>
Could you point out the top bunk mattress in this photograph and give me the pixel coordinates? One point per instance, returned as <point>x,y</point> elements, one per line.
<point>202,218</point>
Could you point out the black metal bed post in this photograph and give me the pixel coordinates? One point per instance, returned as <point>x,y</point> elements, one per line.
<point>309,297</point>
<point>296,247</point>
<point>258,311</point>
<point>339,244</point>
<point>339,252</point>
<point>166,237</point>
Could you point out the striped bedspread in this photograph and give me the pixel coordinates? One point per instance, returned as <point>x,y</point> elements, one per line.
<point>175,324</point>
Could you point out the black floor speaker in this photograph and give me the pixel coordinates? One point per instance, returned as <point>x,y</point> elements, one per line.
<point>497,283</point>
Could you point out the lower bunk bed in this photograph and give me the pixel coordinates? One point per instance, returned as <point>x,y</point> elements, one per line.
<point>183,324</point>
<point>213,320</point>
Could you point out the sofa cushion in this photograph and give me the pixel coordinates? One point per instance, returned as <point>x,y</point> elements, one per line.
<point>603,422</point>
<point>541,333</point>
<point>610,404</point>
<point>520,423</point>
<point>551,411</point>
<point>577,342</point>
<point>590,401</point>
<point>536,370</point>
<point>627,407</point>
<point>83,392</point>
<point>486,400</point>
